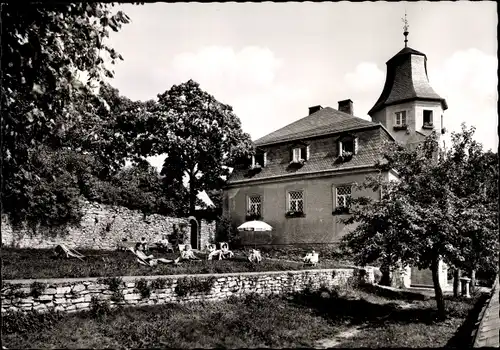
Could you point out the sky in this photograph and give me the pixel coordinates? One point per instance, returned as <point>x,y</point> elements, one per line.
<point>271,61</point>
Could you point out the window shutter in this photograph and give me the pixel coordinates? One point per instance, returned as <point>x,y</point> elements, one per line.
<point>339,144</point>
<point>307,153</point>
<point>253,161</point>
<point>355,141</point>
<point>303,153</point>
<point>265,159</point>
<point>291,154</point>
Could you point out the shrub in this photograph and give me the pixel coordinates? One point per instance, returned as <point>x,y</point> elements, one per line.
<point>226,231</point>
<point>31,321</point>
<point>188,285</point>
<point>159,283</point>
<point>143,287</point>
<point>37,289</point>
<point>113,284</point>
<point>99,309</point>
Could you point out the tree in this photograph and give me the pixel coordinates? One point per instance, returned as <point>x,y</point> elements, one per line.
<point>199,135</point>
<point>417,220</point>
<point>44,103</point>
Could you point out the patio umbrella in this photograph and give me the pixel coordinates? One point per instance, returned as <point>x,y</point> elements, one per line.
<point>255,225</point>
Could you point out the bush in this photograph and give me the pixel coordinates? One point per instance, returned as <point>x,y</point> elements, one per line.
<point>37,289</point>
<point>143,287</point>
<point>31,321</point>
<point>226,231</point>
<point>188,285</point>
<point>159,283</point>
<point>113,284</point>
<point>99,309</point>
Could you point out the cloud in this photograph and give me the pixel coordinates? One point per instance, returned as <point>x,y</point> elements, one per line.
<point>468,80</point>
<point>247,80</point>
<point>366,77</point>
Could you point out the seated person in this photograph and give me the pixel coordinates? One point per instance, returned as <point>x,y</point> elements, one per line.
<point>255,256</point>
<point>311,258</point>
<point>188,254</point>
<point>150,259</point>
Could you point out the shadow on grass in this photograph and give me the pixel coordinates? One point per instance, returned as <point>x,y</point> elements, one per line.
<point>463,336</point>
<point>355,309</point>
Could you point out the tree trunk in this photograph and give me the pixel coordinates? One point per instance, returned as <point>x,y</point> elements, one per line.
<point>456,282</point>
<point>437,289</point>
<point>192,196</point>
<point>472,282</point>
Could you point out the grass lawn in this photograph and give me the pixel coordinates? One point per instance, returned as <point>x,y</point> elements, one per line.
<point>300,321</point>
<point>41,263</point>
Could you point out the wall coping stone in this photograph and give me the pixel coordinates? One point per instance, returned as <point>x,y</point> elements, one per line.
<point>133,278</point>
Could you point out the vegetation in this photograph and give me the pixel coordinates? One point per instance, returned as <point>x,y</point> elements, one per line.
<point>428,215</point>
<point>188,285</point>
<point>303,320</point>
<point>35,263</point>
<point>143,287</point>
<point>200,136</point>
<point>37,289</point>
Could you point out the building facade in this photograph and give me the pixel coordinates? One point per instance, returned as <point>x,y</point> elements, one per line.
<point>301,178</point>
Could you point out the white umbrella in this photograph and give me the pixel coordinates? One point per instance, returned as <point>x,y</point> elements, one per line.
<point>255,225</point>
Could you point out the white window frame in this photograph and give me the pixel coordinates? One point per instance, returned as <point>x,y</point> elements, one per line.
<point>344,196</point>
<point>249,204</point>
<point>295,200</point>
<point>297,154</point>
<point>400,115</point>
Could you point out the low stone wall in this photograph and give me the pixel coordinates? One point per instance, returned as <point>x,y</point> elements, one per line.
<point>75,294</point>
<point>101,228</point>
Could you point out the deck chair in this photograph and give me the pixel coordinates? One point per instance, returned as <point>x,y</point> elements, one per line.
<point>150,260</point>
<point>210,247</point>
<point>63,250</point>
<point>311,258</point>
<point>254,256</point>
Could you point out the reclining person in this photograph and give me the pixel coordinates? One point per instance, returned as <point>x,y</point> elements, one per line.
<point>188,254</point>
<point>150,259</point>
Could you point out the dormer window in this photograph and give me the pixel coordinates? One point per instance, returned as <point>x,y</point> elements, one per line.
<point>347,146</point>
<point>299,153</point>
<point>259,159</point>
<point>428,119</point>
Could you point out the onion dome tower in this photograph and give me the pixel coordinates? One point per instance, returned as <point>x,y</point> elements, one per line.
<point>408,106</point>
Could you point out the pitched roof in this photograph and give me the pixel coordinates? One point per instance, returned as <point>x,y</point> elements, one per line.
<point>406,80</point>
<point>325,121</point>
<point>323,157</point>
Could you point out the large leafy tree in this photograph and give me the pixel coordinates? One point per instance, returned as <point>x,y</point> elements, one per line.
<point>421,218</point>
<point>46,109</point>
<point>199,136</point>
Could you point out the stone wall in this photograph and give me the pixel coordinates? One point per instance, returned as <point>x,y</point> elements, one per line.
<point>101,227</point>
<point>75,294</point>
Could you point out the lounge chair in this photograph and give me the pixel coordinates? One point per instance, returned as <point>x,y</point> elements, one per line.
<point>255,256</point>
<point>311,258</point>
<point>62,250</point>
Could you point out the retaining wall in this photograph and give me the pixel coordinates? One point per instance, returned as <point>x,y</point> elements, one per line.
<point>75,294</point>
<point>101,228</point>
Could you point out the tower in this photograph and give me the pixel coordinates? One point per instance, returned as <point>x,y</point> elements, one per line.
<point>408,106</point>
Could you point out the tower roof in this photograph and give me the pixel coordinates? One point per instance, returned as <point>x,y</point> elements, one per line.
<point>406,81</point>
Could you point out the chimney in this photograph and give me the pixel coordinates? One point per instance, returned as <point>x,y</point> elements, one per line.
<point>314,109</point>
<point>346,106</point>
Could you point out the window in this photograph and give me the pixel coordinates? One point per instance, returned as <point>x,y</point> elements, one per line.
<point>259,159</point>
<point>343,196</point>
<point>255,205</point>
<point>296,154</point>
<point>347,145</point>
<point>401,118</point>
<point>296,201</point>
<point>427,118</point>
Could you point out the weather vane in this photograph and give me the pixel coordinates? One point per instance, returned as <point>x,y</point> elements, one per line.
<point>405,28</point>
